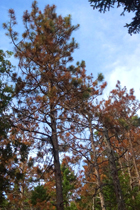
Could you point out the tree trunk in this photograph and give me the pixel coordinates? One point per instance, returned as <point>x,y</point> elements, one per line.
<point>114,172</point>
<point>93,203</point>
<point>21,195</point>
<point>99,184</point>
<point>21,187</point>
<point>120,163</point>
<point>58,179</point>
<point>134,161</point>
<point>129,172</point>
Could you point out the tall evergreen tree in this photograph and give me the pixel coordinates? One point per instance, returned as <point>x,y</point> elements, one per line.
<point>6,151</point>
<point>48,87</point>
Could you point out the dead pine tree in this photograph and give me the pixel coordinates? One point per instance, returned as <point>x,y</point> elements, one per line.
<point>45,90</point>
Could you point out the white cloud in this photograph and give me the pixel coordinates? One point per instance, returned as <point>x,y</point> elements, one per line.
<point>127,70</point>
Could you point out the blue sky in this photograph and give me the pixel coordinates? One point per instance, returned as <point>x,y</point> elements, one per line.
<point>104,43</point>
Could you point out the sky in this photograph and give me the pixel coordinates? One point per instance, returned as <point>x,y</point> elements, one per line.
<point>104,42</point>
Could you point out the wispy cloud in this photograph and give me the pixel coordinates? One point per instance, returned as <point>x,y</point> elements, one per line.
<point>126,69</point>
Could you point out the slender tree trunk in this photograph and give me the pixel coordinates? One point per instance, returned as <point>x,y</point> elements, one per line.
<point>93,203</point>
<point>99,184</point>
<point>22,188</point>
<point>114,172</point>
<point>134,161</point>
<point>128,168</point>
<point>21,195</point>
<point>58,179</point>
<point>120,163</point>
<point>129,172</point>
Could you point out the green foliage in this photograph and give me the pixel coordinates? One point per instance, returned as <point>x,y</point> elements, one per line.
<point>109,194</point>
<point>100,77</point>
<point>135,120</point>
<point>75,82</point>
<point>4,204</point>
<point>83,64</point>
<point>123,123</point>
<point>5,65</point>
<point>6,93</point>
<point>71,207</point>
<point>39,194</point>
<point>68,182</point>
<point>131,196</point>
<point>86,94</point>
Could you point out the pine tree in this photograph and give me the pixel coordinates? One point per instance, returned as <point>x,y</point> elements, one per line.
<point>6,151</point>
<point>48,87</point>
